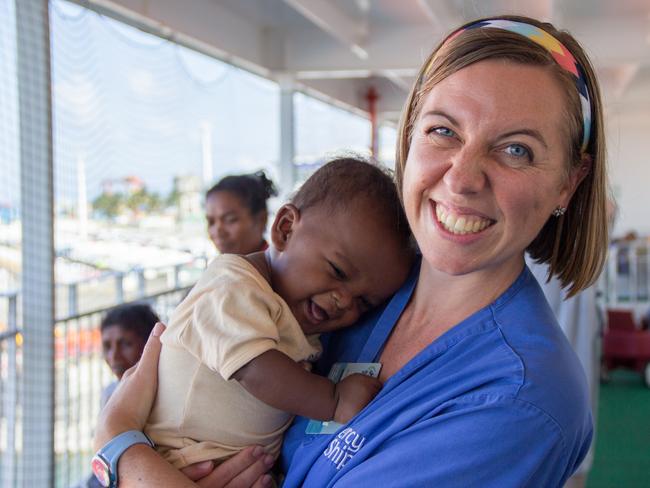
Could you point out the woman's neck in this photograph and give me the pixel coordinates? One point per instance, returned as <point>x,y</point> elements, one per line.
<point>446,300</point>
<point>440,302</point>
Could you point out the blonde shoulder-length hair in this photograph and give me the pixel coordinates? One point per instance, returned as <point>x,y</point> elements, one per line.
<point>574,245</point>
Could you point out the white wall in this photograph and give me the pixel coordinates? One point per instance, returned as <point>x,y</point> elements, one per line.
<point>629,165</point>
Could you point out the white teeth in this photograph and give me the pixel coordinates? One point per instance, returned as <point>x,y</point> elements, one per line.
<point>466,224</point>
<point>448,221</point>
<point>460,225</point>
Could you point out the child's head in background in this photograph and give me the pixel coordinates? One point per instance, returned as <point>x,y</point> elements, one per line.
<point>125,330</point>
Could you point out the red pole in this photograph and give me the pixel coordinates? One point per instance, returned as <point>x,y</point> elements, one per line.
<point>371,97</point>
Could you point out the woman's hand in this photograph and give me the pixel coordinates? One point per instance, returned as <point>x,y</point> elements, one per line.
<point>131,402</point>
<point>129,408</point>
<point>246,469</point>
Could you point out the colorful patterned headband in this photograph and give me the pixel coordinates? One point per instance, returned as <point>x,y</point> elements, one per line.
<point>561,54</point>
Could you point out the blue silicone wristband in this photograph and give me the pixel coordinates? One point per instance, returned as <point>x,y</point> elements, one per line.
<point>111,452</point>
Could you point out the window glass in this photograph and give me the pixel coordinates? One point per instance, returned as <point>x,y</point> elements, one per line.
<point>323,131</point>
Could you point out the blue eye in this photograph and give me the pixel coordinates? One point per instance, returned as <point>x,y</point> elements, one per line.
<point>443,131</point>
<point>518,151</point>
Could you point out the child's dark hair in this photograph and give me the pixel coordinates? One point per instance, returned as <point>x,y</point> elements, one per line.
<point>338,183</point>
<point>253,189</point>
<point>138,317</point>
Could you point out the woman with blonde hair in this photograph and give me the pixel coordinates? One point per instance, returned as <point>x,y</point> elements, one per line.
<point>501,152</point>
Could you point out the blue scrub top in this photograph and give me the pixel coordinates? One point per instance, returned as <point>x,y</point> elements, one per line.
<point>499,400</point>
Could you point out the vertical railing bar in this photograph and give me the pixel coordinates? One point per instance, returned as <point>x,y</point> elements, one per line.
<point>177,276</point>
<point>77,412</point>
<point>65,393</point>
<point>142,284</point>
<point>633,278</point>
<point>10,397</point>
<point>119,287</point>
<point>73,302</point>
<point>614,278</point>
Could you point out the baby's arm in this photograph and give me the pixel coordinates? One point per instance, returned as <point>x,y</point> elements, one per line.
<point>277,380</point>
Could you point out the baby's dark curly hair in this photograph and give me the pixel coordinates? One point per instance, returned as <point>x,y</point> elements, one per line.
<point>342,181</point>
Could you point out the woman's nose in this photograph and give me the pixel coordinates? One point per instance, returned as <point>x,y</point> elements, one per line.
<point>466,173</point>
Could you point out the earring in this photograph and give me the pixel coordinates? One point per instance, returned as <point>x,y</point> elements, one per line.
<point>559,211</point>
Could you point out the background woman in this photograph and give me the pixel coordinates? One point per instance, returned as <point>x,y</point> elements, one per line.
<point>236,212</point>
<point>501,151</point>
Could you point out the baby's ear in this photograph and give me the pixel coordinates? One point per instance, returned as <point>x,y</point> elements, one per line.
<point>283,225</point>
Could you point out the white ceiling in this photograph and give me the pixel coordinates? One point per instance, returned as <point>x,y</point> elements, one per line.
<point>337,49</point>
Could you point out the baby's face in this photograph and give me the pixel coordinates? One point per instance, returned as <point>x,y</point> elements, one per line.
<point>337,265</point>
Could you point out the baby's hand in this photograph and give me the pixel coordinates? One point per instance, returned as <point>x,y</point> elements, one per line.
<point>354,393</point>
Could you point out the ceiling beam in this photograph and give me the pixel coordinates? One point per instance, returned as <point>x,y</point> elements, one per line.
<point>441,15</point>
<point>406,48</point>
<point>331,19</point>
<point>400,80</point>
<point>206,27</point>
<point>334,74</point>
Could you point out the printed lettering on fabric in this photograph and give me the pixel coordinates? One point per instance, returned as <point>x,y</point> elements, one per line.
<point>343,447</point>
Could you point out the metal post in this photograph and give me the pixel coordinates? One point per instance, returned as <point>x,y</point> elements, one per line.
<point>177,276</point>
<point>371,97</point>
<point>10,398</point>
<point>36,170</point>
<point>612,276</point>
<point>142,283</point>
<point>13,311</point>
<point>633,281</point>
<point>119,288</point>
<point>73,299</point>
<point>287,136</point>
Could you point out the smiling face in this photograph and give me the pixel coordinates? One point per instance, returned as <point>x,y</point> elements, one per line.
<point>487,165</point>
<point>331,266</point>
<point>231,226</point>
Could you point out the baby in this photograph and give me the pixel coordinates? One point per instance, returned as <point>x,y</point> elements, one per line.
<point>232,369</point>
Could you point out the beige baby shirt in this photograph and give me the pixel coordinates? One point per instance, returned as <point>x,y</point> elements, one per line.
<point>231,316</point>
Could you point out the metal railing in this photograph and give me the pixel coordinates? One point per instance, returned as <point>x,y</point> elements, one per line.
<point>80,377</point>
<point>107,290</point>
<point>80,373</point>
<point>10,422</point>
<point>626,277</point>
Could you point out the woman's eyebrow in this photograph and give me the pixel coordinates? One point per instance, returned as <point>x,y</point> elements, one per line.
<point>440,113</point>
<point>534,133</point>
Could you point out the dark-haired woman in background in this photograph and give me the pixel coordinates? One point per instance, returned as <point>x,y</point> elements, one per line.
<point>236,213</point>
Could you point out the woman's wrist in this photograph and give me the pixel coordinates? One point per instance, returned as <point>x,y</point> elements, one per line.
<point>105,462</point>
<point>113,422</point>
